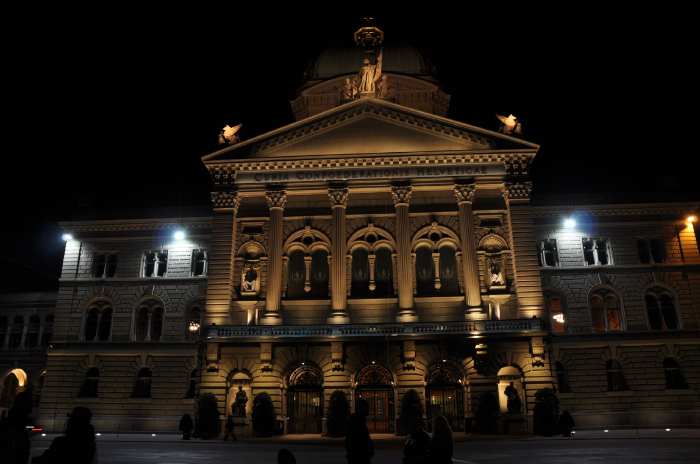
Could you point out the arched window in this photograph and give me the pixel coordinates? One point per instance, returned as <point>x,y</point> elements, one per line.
<point>616,378</point>
<point>48,330</point>
<point>142,386</point>
<point>98,322</point>
<point>89,388</point>
<point>675,380</point>
<point>448,271</point>
<point>148,321</point>
<point>16,333</point>
<point>192,386</point>
<point>33,331</point>
<point>606,311</point>
<point>555,309</point>
<point>562,378</point>
<point>319,273</point>
<point>296,275</point>
<point>360,273</point>
<point>661,309</point>
<point>384,275</point>
<point>425,271</point>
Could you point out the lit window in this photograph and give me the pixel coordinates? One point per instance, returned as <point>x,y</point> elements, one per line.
<point>155,263</point>
<point>556,314</point>
<point>596,252</point>
<point>104,265</point>
<point>547,253</point>
<point>199,262</point>
<point>606,311</point>
<point>661,309</point>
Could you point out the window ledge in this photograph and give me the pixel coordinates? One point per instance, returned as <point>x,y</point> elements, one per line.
<point>129,279</point>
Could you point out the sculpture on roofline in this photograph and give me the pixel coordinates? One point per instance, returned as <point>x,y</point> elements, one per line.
<point>509,125</point>
<point>229,134</point>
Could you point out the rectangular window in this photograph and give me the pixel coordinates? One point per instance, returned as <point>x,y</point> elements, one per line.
<point>104,265</point>
<point>643,251</point>
<point>596,252</point>
<point>547,255</point>
<point>155,263</point>
<point>199,262</point>
<point>651,251</point>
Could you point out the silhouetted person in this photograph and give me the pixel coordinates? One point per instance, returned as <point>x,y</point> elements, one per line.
<point>14,437</point>
<point>566,423</point>
<point>186,426</point>
<point>441,445</point>
<point>229,429</point>
<point>416,448</point>
<point>77,445</point>
<point>284,456</point>
<point>358,444</point>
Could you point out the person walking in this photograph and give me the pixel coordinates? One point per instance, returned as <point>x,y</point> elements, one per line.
<point>77,445</point>
<point>415,450</point>
<point>441,445</point>
<point>186,426</point>
<point>358,443</point>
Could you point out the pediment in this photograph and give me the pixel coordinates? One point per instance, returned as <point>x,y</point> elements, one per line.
<point>369,126</point>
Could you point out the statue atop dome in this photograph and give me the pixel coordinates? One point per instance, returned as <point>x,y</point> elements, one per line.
<point>369,82</point>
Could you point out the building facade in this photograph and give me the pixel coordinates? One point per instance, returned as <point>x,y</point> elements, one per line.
<point>373,247</point>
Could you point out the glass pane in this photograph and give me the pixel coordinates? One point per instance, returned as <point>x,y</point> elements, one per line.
<point>425,271</point>
<point>91,325</point>
<point>614,322</point>
<point>296,273</point>
<point>105,324</point>
<point>319,273</point>
<point>643,250</point>
<point>156,324</point>
<point>360,273</point>
<point>98,266</point>
<point>448,272</point>
<point>383,273</point>
<point>668,310</point>
<point>111,266</point>
<point>658,250</point>
<point>653,312</point>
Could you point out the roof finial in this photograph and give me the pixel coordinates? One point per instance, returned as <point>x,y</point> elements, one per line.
<point>369,36</point>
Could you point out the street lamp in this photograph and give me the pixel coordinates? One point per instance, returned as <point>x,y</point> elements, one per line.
<point>67,237</point>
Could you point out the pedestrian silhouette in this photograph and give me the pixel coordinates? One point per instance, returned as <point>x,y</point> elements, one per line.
<point>358,444</point>
<point>416,448</point>
<point>566,424</point>
<point>77,445</point>
<point>284,456</point>
<point>14,437</point>
<point>441,445</point>
<point>186,426</point>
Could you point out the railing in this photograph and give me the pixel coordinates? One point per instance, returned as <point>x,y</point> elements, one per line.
<point>376,330</point>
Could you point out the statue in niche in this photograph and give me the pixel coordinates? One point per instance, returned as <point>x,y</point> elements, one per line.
<point>496,273</point>
<point>514,404</point>
<point>249,279</point>
<point>238,407</point>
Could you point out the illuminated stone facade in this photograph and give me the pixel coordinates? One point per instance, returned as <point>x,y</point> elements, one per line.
<point>375,246</point>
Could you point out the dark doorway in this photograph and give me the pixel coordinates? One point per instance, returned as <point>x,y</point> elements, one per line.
<point>304,407</point>
<point>381,409</point>
<point>447,401</point>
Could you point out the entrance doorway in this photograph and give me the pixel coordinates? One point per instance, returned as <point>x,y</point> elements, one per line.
<point>374,385</point>
<point>445,395</point>
<point>305,400</point>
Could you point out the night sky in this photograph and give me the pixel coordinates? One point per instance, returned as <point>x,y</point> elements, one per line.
<point>108,113</point>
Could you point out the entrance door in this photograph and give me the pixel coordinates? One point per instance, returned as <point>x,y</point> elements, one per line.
<point>446,401</point>
<point>381,409</point>
<point>304,410</point>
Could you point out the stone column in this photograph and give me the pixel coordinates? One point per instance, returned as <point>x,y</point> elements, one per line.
<point>470,267</point>
<point>339,298</point>
<point>402,197</point>
<point>25,328</point>
<point>276,201</point>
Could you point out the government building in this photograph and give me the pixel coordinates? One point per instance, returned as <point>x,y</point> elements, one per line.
<point>373,246</point>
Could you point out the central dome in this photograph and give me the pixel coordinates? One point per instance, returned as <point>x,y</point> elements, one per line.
<point>341,60</point>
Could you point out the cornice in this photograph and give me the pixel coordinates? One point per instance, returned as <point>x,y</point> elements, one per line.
<point>127,225</point>
<point>635,209</point>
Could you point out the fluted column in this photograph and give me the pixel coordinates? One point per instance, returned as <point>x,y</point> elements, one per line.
<point>402,197</point>
<point>276,201</point>
<point>339,298</point>
<point>464,195</point>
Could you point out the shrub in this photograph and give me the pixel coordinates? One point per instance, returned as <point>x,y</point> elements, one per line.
<point>338,414</point>
<point>411,412</point>
<point>263,416</point>
<point>546,413</point>
<point>486,416</point>
<point>208,416</point>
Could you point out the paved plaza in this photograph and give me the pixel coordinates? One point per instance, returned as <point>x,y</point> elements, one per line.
<point>635,447</point>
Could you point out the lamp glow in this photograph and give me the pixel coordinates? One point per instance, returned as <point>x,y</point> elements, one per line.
<point>559,317</point>
<point>668,430</point>
<point>179,235</point>
<point>691,219</point>
<point>194,326</point>
<point>67,237</point>
<point>569,223</point>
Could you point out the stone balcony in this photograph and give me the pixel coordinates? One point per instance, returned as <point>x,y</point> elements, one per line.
<point>468,328</point>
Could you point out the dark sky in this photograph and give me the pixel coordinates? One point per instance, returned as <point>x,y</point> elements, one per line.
<point>107,111</point>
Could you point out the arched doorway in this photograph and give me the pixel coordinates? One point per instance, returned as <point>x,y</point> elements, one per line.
<point>14,382</point>
<point>445,395</point>
<point>305,400</point>
<point>510,386</point>
<point>374,385</point>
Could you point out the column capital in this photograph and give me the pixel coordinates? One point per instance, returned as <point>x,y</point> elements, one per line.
<point>401,194</point>
<point>276,199</point>
<point>517,190</point>
<point>338,197</point>
<point>228,200</point>
<point>464,193</point>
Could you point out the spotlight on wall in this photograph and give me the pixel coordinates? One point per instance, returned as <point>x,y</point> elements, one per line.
<point>668,430</point>
<point>67,237</point>
<point>691,219</point>
<point>569,223</point>
<point>179,235</point>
